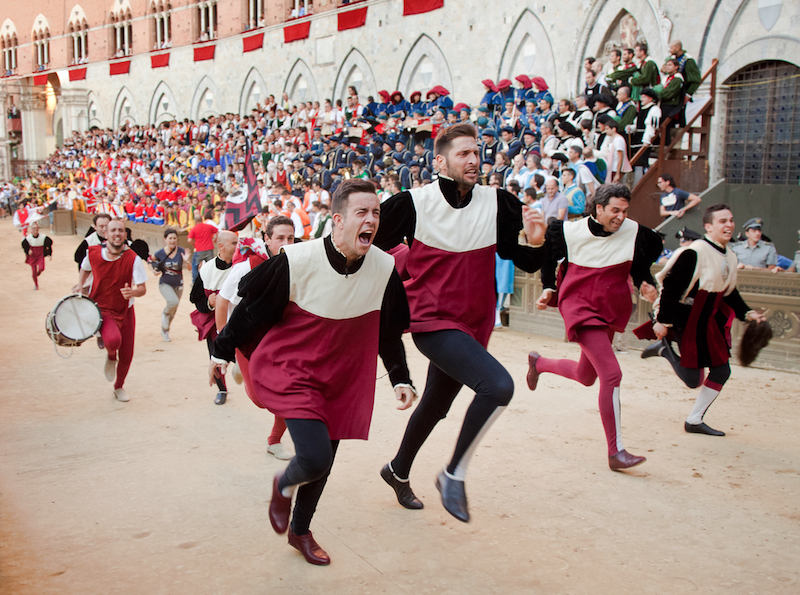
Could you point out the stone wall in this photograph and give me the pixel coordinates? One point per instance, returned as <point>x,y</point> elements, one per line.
<point>777,295</point>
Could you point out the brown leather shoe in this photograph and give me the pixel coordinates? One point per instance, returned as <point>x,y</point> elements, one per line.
<point>623,459</point>
<point>280,507</point>
<point>533,374</point>
<point>309,548</point>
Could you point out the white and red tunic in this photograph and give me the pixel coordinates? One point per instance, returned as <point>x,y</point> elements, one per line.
<point>452,245</point>
<point>593,287</point>
<point>313,328</point>
<point>209,281</point>
<point>36,248</point>
<point>699,299</point>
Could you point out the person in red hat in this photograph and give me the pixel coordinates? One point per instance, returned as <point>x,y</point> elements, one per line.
<point>399,106</point>
<point>504,93</point>
<point>442,100</point>
<point>524,92</point>
<point>491,90</point>
<point>385,105</point>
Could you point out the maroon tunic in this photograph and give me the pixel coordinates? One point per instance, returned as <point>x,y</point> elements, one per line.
<point>109,278</point>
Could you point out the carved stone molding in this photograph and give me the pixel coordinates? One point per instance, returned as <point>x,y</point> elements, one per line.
<point>32,102</point>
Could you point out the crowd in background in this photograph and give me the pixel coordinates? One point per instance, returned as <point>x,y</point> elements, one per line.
<point>548,152</point>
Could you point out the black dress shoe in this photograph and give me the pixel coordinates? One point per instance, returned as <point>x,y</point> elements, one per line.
<point>533,373</point>
<point>222,396</point>
<point>454,496</point>
<point>624,460</point>
<point>405,496</point>
<point>654,350</point>
<point>701,428</point>
<point>280,507</point>
<point>310,549</point>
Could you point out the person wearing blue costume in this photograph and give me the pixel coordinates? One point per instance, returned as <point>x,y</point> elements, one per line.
<point>491,90</point>
<point>524,93</point>
<point>399,104</point>
<point>384,105</point>
<point>504,94</point>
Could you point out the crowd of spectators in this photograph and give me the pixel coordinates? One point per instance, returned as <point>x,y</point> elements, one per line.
<point>551,154</point>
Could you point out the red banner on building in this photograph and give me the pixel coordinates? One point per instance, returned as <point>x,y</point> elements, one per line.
<point>420,6</point>
<point>123,67</point>
<point>77,74</point>
<point>352,19</point>
<point>296,32</point>
<point>159,60</point>
<point>254,42</point>
<point>204,53</point>
<point>39,79</point>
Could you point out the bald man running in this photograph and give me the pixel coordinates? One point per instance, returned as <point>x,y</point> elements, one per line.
<point>204,296</point>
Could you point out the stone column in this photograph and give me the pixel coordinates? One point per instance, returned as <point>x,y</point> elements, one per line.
<point>74,105</point>
<point>5,142</point>
<point>34,124</point>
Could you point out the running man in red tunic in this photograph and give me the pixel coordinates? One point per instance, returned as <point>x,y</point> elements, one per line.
<point>454,228</point>
<point>600,253</point>
<point>696,307</point>
<point>118,276</point>
<point>37,246</point>
<point>312,321</point>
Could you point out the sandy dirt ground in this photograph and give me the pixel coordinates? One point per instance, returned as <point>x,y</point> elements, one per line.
<point>168,494</point>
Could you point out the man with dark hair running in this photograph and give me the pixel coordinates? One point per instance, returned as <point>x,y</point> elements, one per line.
<point>340,288</point>
<point>599,253</point>
<point>454,228</point>
<point>696,307</point>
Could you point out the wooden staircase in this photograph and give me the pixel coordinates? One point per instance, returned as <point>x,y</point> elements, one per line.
<point>689,166</point>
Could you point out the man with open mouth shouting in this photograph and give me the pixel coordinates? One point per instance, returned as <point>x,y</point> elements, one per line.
<point>454,228</point>
<point>347,292</point>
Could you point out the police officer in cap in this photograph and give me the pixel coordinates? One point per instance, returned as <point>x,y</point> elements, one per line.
<point>754,253</point>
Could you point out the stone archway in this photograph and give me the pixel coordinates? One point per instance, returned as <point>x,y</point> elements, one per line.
<point>529,51</point>
<point>205,101</point>
<point>600,19</point>
<point>253,91</point>
<point>124,109</point>
<point>300,84</point>
<point>355,71</point>
<point>163,106</point>
<point>425,66</point>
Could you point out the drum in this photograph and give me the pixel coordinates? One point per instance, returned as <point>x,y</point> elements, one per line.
<point>75,319</point>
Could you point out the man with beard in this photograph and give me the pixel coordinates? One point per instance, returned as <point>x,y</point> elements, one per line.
<point>118,276</point>
<point>597,255</point>
<point>454,228</point>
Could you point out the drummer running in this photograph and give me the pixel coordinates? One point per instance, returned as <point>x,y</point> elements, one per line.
<point>36,245</point>
<point>118,276</point>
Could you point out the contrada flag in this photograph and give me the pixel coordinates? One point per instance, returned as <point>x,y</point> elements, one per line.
<point>243,204</point>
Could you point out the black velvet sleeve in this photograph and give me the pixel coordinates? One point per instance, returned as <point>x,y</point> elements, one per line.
<point>198,294</point>
<point>265,295</point>
<point>398,221</point>
<point>675,285</point>
<point>80,252</point>
<point>647,250</point>
<point>48,246</point>
<point>26,246</point>
<point>555,249</point>
<point>395,318</point>
<point>737,303</point>
<point>509,224</point>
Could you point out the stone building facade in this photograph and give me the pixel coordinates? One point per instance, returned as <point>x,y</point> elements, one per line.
<point>120,42</point>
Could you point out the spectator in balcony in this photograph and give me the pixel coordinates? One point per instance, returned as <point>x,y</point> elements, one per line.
<point>754,253</point>
<point>647,76</point>
<point>687,67</point>
<point>674,201</point>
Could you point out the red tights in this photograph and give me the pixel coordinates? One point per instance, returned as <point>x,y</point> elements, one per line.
<point>597,360</point>
<point>119,342</point>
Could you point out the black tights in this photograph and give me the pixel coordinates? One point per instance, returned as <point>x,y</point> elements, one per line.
<point>456,360</point>
<point>694,377</point>
<point>309,468</point>
<point>221,385</point>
